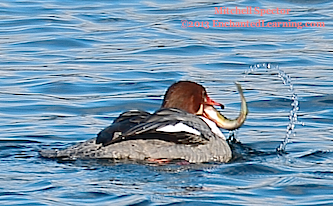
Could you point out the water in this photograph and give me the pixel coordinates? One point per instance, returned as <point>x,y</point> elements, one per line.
<point>68,68</point>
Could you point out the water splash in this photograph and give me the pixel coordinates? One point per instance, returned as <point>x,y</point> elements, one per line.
<point>293,120</point>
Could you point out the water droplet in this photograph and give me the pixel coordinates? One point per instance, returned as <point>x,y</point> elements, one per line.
<point>286,80</point>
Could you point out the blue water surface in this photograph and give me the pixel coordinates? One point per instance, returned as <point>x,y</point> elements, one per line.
<point>68,68</point>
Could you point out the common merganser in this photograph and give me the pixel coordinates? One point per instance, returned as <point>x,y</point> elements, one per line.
<point>184,128</point>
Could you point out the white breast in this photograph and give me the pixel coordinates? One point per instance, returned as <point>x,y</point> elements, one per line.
<point>213,127</point>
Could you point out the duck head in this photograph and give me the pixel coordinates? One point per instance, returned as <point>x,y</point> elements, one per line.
<point>193,98</point>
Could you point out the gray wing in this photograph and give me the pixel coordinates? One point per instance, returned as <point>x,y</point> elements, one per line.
<point>148,127</point>
<point>120,125</point>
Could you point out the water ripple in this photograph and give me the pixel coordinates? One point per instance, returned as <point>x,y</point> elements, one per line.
<point>68,68</point>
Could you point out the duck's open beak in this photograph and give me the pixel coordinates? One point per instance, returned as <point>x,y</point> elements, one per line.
<point>221,121</point>
<point>211,102</point>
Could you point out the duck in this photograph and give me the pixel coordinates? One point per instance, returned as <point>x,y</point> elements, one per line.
<point>186,127</point>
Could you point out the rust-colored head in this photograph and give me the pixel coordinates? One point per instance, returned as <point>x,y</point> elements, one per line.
<point>192,97</point>
<point>188,96</point>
